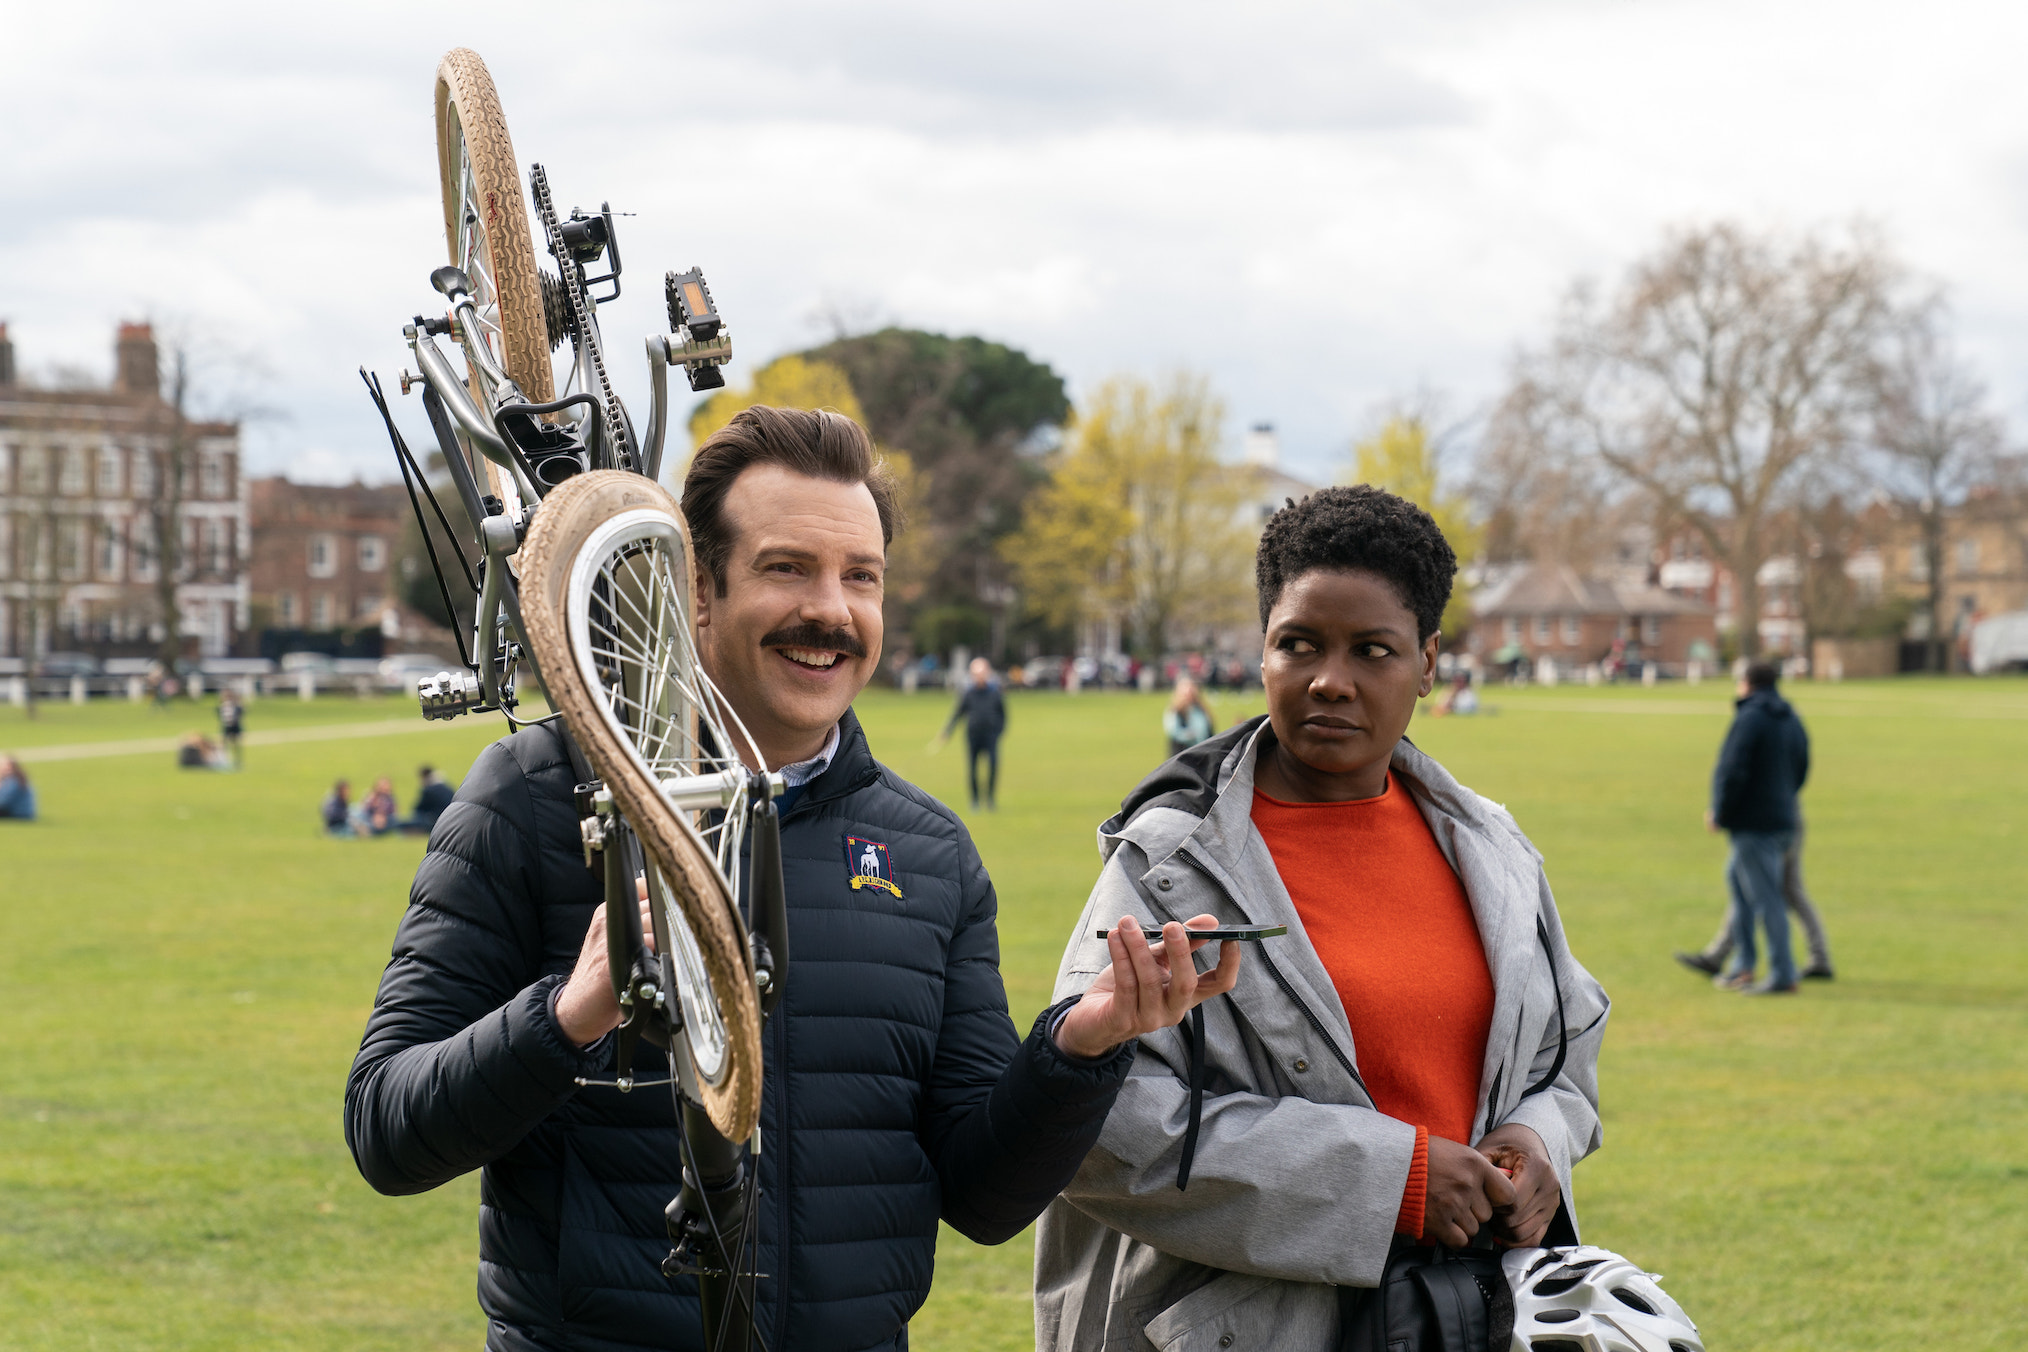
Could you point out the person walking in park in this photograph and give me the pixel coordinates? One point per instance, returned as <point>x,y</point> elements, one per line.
<point>1413,1063</point>
<point>1712,958</point>
<point>17,797</point>
<point>984,712</point>
<point>897,1092</point>
<point>1186,721</point>
<point>1761,768</point>
<point>230,725</point>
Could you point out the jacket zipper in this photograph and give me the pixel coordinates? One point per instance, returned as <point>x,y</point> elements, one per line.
<point>1288,989</point>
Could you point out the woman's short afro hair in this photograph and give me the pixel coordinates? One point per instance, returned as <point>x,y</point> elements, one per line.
<point>1359,529</point>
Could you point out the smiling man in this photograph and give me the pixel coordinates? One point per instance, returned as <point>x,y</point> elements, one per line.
<point>897,1092</point>
<point>1415,1064</point>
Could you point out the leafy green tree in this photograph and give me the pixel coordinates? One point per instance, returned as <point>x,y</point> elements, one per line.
<point>967,412</point>
<point>1140,520</point>
<point>1401,458</point>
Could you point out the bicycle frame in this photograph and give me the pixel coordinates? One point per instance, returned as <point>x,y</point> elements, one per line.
<point>536,447</point>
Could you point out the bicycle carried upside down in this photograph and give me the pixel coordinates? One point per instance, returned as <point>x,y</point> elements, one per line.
<point>583,576</point>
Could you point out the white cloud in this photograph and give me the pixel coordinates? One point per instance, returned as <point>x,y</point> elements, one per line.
<point>1322,205</point>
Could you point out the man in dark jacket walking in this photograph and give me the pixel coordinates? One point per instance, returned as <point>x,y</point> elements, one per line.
<point>897,1091</point>
<point>984,712</point>
<point>1761,768</point>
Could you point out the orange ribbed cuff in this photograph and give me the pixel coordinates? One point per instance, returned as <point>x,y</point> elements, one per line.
<point>1416,1194</point>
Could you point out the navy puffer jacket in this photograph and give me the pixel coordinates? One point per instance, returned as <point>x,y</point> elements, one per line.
<point>1761,767</point>
<point>897,1090</point>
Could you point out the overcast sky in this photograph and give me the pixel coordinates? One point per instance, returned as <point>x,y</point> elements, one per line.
<point>1325,206</point>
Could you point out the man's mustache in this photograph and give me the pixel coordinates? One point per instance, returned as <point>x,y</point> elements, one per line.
<point>815,637</point>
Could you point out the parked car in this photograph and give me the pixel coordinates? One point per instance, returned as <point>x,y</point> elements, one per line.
<point>69,664</point>
<point>320,663</point>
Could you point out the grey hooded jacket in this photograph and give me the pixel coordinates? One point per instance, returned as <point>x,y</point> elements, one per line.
<point>1297,1180</point>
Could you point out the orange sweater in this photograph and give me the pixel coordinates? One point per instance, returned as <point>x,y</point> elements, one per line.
<point>1392,924</point>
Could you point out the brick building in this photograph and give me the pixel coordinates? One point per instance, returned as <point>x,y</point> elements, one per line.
<point>87,479</point>
<point>1550,611</point>
<point>323,563</point>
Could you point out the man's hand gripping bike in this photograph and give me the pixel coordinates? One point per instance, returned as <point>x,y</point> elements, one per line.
<point>584,578</point>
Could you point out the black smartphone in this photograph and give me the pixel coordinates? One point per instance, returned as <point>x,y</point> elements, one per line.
<point>1246,934</point>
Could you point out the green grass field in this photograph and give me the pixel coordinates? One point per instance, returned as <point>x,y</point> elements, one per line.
<point>187,964</point>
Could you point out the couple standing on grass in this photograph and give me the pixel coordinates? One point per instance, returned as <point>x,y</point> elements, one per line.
<point>1219,1158</point>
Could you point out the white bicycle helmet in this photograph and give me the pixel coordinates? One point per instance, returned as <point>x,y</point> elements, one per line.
<point>1587,1299</point>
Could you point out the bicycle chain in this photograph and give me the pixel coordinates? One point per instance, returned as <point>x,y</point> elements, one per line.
<point>573,296</point>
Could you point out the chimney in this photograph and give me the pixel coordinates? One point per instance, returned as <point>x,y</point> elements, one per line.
<point>1262,447</point>
<point>6,356</point>
<point>138,369</point>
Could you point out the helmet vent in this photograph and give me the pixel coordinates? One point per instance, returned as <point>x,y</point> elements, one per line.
<point>1556,1316</point>
<point>1683,1347</point>
<point>1557,1345</point>
<point>1556,1284</point>
<point>1632,1301</point>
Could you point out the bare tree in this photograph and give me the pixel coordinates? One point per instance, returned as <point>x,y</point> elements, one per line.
<point>1723,370</point>
<point>1932,426</point>
<point>174,464</point>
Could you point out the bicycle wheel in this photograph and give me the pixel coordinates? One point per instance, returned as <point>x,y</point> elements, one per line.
<point>486,226</point>
<point>606,597</point>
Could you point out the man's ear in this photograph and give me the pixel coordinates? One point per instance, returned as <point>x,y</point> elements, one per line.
<point>1429,657</point>
<point>702,604</point>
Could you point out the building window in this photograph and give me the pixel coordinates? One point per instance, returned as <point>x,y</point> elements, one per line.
<point>1542,629</point>
<point>369,608</point>
<point>211,476</point>
<point>6,465</point>
<point>144,474</point>
<point>34,475</point>
<point>1510,630</point>
<point>71,474</point>
<point>1968,557</point>
<point>323,557</point>
<point>286,610</point>
<point>1918,564</point>
<point>372,553</point>
<point>1570,629</point>
<point>218,545</point>
<point>109,550</point>
<point>320,611</point>
<point>142,541</point>
<point>6,551</point>
<point>1651,630</point>
<point>70,553</point>
<point>109,472</point>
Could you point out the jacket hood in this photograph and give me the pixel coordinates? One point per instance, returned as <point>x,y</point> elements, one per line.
<point>1766,702</point>
<point>1188,782</point>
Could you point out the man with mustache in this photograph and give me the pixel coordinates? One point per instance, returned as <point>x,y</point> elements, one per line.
<point>897,1091</point>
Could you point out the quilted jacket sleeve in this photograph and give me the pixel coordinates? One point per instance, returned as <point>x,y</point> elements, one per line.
<point>462,1055</point>
<point>1007,1123</point>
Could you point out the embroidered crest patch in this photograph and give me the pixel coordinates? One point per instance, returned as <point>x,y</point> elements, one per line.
<point>867,864</point>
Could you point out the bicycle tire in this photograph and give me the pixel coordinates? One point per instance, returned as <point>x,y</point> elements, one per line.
<point>568,542</point>
<point>472,129</point>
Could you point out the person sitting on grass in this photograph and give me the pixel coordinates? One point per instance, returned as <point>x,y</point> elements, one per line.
<point>17,798</point>
<point>337,809</point>
<point>1414,1063</point>
<point>375,814</point>
<point>430,801</point>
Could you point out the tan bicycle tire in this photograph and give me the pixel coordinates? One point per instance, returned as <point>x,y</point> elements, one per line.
<point>465,86</point>
<point>569,515</point>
